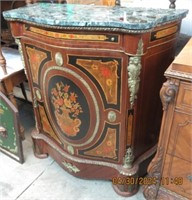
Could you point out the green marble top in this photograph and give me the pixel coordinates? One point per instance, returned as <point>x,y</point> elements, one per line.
<point>74,15</point>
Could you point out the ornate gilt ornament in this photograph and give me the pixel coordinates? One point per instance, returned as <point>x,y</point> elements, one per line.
<point>167,92</point>
<point>111,116</point>
<point>70,149</point>
<point>128,159</point>
<point>134,69</point>
<point>37,136</point>
<point>70,167</point>
<point>59,59</point>
<point>35,104</point>
<point>38,94</point>
<point>18,42</point>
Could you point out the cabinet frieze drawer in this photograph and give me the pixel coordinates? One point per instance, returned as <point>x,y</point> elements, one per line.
<point>72,36</point>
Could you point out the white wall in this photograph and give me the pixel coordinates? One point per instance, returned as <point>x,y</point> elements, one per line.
<point>186,26</point>
<point>187,22</point>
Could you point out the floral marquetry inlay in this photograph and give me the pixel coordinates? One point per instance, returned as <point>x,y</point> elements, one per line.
<point>105,73</point>
<point>69,36</point>
<point>35,59</point>
<point>107,148</point>
<point>67,108</point>
<point>46,125</point>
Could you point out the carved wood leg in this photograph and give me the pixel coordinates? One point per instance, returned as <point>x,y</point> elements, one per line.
<point>23,91</point>
<point>9,91</point>
<point>3,62</point>
<point>2,88</point>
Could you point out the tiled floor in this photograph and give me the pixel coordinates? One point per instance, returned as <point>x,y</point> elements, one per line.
<point>44,179</point>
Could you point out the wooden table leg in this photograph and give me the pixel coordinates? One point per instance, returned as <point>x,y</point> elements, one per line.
<point>3,62</point>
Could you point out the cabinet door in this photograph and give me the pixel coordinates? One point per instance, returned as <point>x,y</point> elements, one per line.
<point>10,141</point>
<point>80,99</point>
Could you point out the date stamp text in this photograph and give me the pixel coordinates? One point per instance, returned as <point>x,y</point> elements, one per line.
<point>147,180</point>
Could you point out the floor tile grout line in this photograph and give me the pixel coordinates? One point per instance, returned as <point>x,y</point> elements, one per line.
<point>34,180</point>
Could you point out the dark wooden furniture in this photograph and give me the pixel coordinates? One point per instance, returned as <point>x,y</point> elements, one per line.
<point>95,88</point>
<point>171,168</point>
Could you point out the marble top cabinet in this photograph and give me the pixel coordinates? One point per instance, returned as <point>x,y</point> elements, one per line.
<point>95,73</point>
<point>98,17</point>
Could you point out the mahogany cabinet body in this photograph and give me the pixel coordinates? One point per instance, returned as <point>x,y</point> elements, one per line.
<point>96,96</point>
<point>172,165</point>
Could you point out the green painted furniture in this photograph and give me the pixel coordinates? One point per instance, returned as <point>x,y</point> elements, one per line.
<point>10,141</point>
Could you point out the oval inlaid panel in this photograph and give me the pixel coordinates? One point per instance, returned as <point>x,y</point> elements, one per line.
<point>69,107</point>
<point>71,114</point>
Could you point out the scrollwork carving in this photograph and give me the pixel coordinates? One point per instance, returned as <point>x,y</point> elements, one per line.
<point>167,93</point>
<point>154,170</point>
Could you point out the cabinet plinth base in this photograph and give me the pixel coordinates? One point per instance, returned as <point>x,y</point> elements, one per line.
<point>126,185</point>
<point>83,168</point>
<point>129,190</point>
<point>38,151</point>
